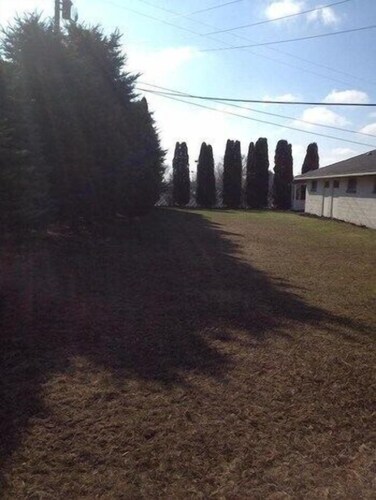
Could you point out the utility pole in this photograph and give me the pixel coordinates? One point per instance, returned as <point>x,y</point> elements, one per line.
<point>57,16</point>
<point>63,7</point>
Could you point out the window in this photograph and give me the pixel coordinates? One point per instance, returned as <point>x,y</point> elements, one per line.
<point>313,186</point>
<point>336,184</point>
<point>302,192</point>
<point>351,185</point>
<point>326,184</point>
<point>374,185</point>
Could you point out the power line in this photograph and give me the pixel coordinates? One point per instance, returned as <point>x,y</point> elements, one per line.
<point>207,9</point>
<point>262,44</point>
<point>267,101</point>
<point>283,52</point>
<point>294,56</point>
<point>278,61</point>
<point>319,65</point>
<point>261,121</point>
<point>277,18</point>
<point>196,33</point>
<point>299,58</point>
<point>153,18</point>
<point>183,94</point>
<point>214,7</point>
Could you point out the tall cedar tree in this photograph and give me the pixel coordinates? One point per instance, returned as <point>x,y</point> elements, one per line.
<point>22,187</point>
<point>181,182</point>
<point>99,144</point>
<point>283,175</point>
<point>232,175</point>
<point>227,160</point>
<point>249,169</point>
<point>311,160</point>
<point>206,191</point>
<point>258,180</point>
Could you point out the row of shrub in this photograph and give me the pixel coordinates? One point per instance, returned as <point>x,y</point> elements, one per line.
<point>240,185</point>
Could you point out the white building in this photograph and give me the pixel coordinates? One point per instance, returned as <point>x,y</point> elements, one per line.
<point>345,190</point>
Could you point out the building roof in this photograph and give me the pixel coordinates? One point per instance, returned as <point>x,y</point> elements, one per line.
<point>364,164</point>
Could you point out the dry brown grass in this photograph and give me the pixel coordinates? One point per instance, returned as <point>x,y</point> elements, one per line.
<point>209,354</point>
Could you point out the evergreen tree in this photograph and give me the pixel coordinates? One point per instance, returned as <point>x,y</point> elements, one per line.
<point>211,190</point>
<point>96,143</point>
<point>283,175</point>
<point>143,181</point>
<point>311,160</point>
<point>258,183</point>
<point>249,170</point>
<point>22,187</point>
<point>206,191</point>
<point>181,180</point>
<point>232,175</point>
<point>227,161</point>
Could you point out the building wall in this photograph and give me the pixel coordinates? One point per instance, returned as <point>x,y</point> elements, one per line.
<point>336,202</point>
<point>298,198</point>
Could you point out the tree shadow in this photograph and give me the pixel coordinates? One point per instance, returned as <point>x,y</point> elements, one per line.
<point>144,304</point>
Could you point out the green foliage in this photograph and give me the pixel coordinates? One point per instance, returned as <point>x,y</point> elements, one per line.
<point>143,175</point>
<point>94,143</point>
<point>283,175</point>
<point>22,186</point>
<point>248,181</point>
<point>181,180</point>
<point>258,176</point>
<point>232,175</point>
<point>206,191</point>
<point>311,160</point>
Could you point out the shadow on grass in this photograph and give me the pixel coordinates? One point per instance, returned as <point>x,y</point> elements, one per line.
<point>145,306</point>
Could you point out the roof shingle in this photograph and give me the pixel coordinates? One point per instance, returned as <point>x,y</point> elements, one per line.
<point>357,165</point>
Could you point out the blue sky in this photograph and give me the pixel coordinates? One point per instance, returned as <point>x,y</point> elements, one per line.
<point>338,68</point>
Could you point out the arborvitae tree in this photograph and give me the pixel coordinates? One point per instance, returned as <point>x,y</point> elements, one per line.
<point>210,183</point>
<point>227,161</point>
<point>143,177</point>
<point>237,175</point>
<point>206,191</point>
<point>201,178</point>
<point>22,184</point>
<point>258,183</point>
<point>135,159</point>
<point>232,175</point>
<point>283,175</point>
<point>249,169</point>
<point>311,160</point>
<point>176,177</point>
<point>99,143</point>
<point>39,59</point>
<point>181,180</point>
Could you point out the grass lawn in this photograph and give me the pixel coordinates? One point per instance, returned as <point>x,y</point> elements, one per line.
<point>203,354</point>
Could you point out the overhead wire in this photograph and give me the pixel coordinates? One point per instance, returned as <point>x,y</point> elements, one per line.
<point>161,94</point>
<point>297,39</point>
<point>177,93</point>
<point>214,7</point>
<point>200,11</point>
<point>264,101</point>
<point>274,49</point>
<point>149,16</point>
<point>294,56</point>
<point>287,16</point>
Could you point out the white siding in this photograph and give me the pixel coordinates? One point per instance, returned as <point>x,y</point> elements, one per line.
<point>298,203</point>
<point>358,208</point>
